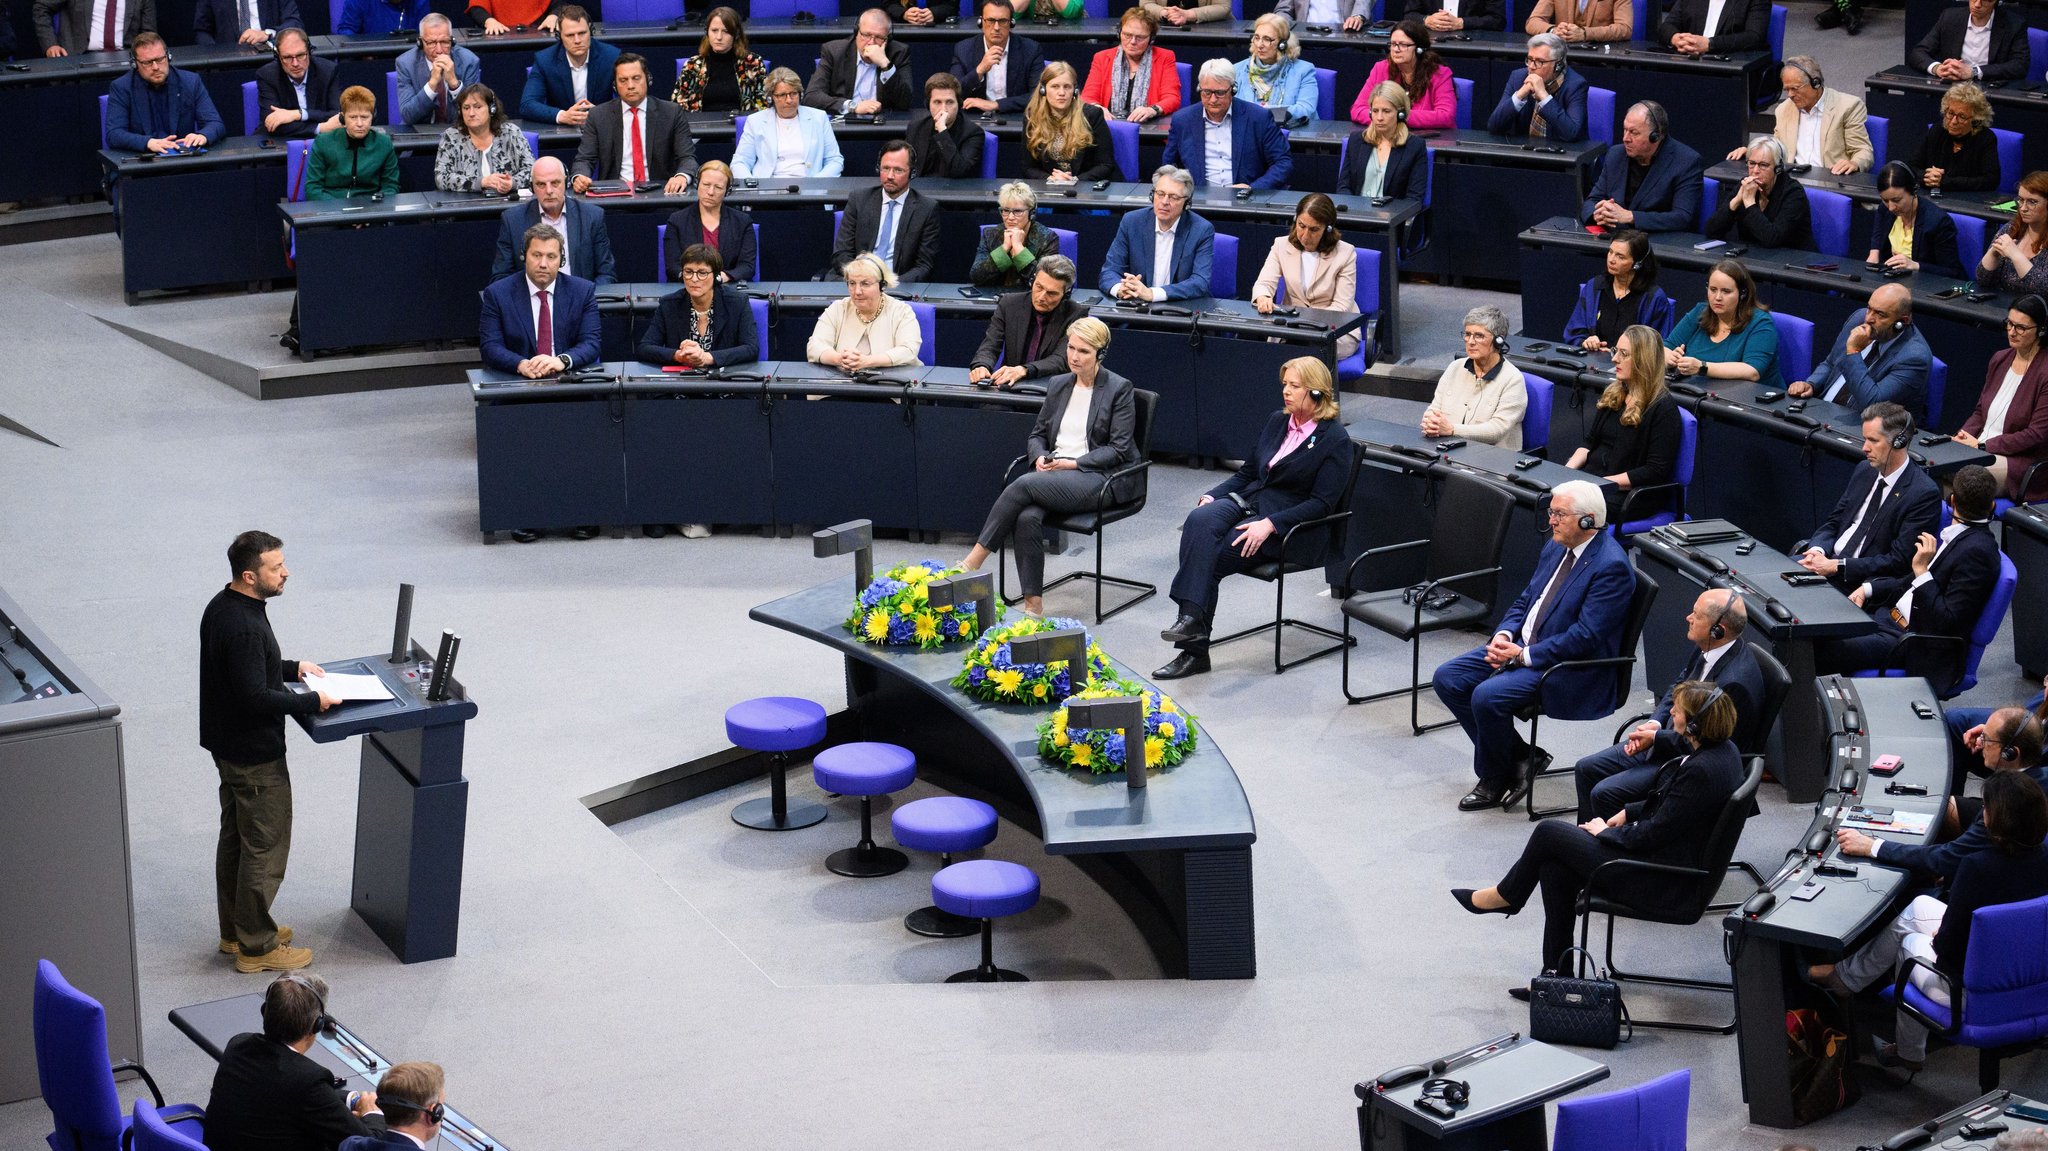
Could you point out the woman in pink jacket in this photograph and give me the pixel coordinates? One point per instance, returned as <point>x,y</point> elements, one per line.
<point>1411,64</point>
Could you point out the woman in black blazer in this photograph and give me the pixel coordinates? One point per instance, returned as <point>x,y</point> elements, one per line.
<point>1402,156</point>
<point>1933,233</point>
<point>1064,135</point>
<point>1087,428</point>
<point>1297,474</point>
<point>1672,827</point>
<point>1636,432</point>
<point>707,324</point>
<point>712,222</point>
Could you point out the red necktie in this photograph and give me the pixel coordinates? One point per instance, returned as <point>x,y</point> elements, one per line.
<point>639,158</point>
<point>544,336</point>
<point>107,35</point>
<point>441,106</point>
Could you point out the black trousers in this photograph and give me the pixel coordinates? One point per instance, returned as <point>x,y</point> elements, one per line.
<point>1559,858</point>
<point>1018,517</point>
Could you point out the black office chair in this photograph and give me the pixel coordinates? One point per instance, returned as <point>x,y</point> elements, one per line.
<point>1777,685</point>
<point>1705,883</point>
<point>1105,513</point>
<point>1462,562</point>
<point>1300,560</point>
<point>1624,666</point>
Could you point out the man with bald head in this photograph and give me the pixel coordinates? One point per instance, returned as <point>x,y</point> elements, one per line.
<point>1612,779</point>
<point>587,251</point>
<point>1878,356</point>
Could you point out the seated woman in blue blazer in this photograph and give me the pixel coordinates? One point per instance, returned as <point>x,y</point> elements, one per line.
<point>1384,158</point>
<point>1729,336</point>
<point>1296,474</point>
<point>788,141</point>
<point>1626,293</point>
<point>1275,75</point>
<point>1086,428</point>
<point>1913,232</point>
<point>705,325</point>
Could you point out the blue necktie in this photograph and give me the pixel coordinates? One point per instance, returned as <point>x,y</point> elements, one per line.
<point>885,241</point>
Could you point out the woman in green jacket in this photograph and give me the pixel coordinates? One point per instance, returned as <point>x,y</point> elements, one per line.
<point>356,161</point>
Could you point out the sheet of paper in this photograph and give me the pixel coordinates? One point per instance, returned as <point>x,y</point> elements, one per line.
<point>350,688</point>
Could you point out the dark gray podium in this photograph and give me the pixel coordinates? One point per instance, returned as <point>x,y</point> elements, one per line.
<point>1511,1079</point>
<point>412,805</point>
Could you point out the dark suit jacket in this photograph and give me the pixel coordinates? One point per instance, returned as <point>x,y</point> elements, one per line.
<point>952,155</point>
<point>1566,119</point>
<point>549,88</point>
<point>267,1097</point>
<point>1894,530</point>
<point>1258,152</point>
<point>1406,166</point>
<point>222,19</point>
<point>389,1139</point>
<point>1784,221</point>
<point>590,242</point>
<point>1673,824</point>
<point>1194,252</point>
<point>1011,328</point>
<point>1306,484</point>
<point>1946,859</point>
<point>323,97</point>
<point>1739,676</point>
<point>1653,307</point>
<point>1480,15</point>
<point>734,338</point>
<point>505,330</point>
<point>1112,427</point>
<point>670,149</point>
<point>1964,573</point>
<point>1745,24</point>
<point>2025,441</point>
<point>736,244</point>
<point>1900,374</point>
<point>129,123</point>
<point>1668,199</point>
<point>2009,52</point>
<point>916,250</point>
<point>78,29</point>
<point>1934,239</point>
<point>838,65</point>
<point>1584,620</point>
<point>1023,61</point>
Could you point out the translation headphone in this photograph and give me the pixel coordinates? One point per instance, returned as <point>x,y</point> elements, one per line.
<point>1500,345</point>
<point>2006,751</point>
<point>1316,394</point>
<point>1692,722</point>
<point>1450,1092</point>
<point>323,1023</point>
<point>1400,115</point>
<point>1904,436</point>
<point>436,1114</point>
<point>1715,630</point>
<point>1812,77</point>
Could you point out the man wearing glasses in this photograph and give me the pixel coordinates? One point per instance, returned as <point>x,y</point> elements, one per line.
<point>1545,98</point>
<point>1878,356</point>
<point>433,73</point>
<point>1166,253</point>
<point>155,107</point>
<point>998,71</point>
<point>300,96</point>
<point>864,74</point>
<point>1225,140</point>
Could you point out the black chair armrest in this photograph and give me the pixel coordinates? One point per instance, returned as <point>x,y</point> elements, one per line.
<point>1918,644</point>
<point>1458,577</point>
<point>1014,470</point>
<point>1351,573</point>
<point>1543,678</point>
<point>1955,997</point>
<point>1798,549</point>
<point>1102,500</point>
<point>139,1069</point>
<point>2027,481</point>
<point>1287,537</point>
<point>1614,869</point>
<point>1639,495</point>
<point>1629,724</point>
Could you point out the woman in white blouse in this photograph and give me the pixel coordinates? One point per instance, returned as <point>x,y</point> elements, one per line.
<point>869,328</point>
<point>2011,417</point>
<point>789,142</point>
<point>1313,265</point>
<point>1480,396</point>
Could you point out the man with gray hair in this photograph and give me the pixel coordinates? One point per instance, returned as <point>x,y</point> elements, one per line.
<point>1574,608</point>
<point>433,72</point>
<point>1545,98</point>
<point>1162,253</point>
<point>1480,395</point>
<point>1818,125</point>
<point>1028,335</point>
<point>1225,140</point>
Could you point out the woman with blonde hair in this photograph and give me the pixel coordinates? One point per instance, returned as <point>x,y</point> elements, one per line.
<point>1066,140</point>
<point>1384,158</point>
<point>1963,155</point>
<point>1275,75</point>
<point>1008,254</point>
<point>1636,431</point>
<point>869,328</point>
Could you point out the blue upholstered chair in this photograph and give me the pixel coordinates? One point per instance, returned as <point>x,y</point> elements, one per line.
<point>1536,417</point>
<point>2011,160</point>
<point>1600,115</point>
<point>1937,391</point>
<point>1186,71</point>
<point>1830,214</point>
<point>252,114</point>
<point>948,825</point>
<point>927,331</point>
<point>1070,244</point>
<point>760,310</point>
<point>1660,504</point>
<point>1710,199</point>
<point>1775,36</point>
<point>986,890</point>
<point>1880,136</point>
<point>1223,267</point>
<point>1353,366</point>
<point>1464,91</point>
<point>1971,646</point>
<point>76,1075</point>
<point>103,119</point>
<point>154,1133</point>
<point>784,9</point>
<point>2001,1006</point>
<point>777,725</point>
<point>1326,93</point>
<point>988,154</point>
<point>391,99</point>
<point>1970,240</point>
<point>866,770</point>
<point>1795,345</point>
<point>1123,145</point>
<point>1649,1117</point>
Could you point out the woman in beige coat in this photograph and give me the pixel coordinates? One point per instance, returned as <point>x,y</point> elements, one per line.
<point>1313,265</point>
<point>868,329</point>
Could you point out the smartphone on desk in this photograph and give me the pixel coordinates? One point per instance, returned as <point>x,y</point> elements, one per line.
<point>1803,578</point>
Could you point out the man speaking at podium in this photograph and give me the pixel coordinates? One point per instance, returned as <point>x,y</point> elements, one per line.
<point>242,705</point>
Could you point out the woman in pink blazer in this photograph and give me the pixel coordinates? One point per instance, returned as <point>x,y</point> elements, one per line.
<point>1315,264</point>
<point>2014,392</point>
<point>1411,64</point>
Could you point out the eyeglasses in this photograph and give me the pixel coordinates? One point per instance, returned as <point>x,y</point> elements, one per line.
<point>289,58</point>
<point>1538,61</point>
<point>1263,38</point>
<point>1138,37</point>
<point>1400,45</point>
<point>874,37</point>
<point>1168,197</point>
<point>995,23</point>
<point>442,42</point>
<point>696,273</point>
<point>1215,93</point>
<point>2021,328</point>
<point>153,60</point>
<point>1009,211</point>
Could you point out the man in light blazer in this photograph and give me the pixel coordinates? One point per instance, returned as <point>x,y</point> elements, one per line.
<point>1137,269</point>
<point>1258,155</point>
<point>864,73</point>
<point>1870,533</point>
<point>1350,15</point>
<point>666,150</point>
<point>998,71</point>
<point>555,92</point>
<point>298,94</point>
<point>1821,126</point>
<point>216,20</point>
<point>80,33</point>
<point>433,73</point>
<point>1880,355</point>
<point>510,335</point>
<point>1667,198</point>
<point>906,235</point>
<point>587,253</point>
<point>1028,334</point>
<point>1945,54</point>
<point>1546,86</point>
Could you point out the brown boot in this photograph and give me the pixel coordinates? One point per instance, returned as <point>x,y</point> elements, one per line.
<point>279,958</point>
<point>230,947</point>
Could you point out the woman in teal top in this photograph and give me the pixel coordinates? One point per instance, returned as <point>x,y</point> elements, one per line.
<point>356,161</point>
<point>1728,337</point>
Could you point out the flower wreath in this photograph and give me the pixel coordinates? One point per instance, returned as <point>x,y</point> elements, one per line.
<point>896,610</point>
<point>989,675</point>
<point>1169,732</point>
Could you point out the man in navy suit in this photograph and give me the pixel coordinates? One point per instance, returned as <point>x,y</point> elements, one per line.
<point>243,21</point>
<point>1652,182</point>
<point>1879,356</point>
<point>587,251</point>
<point>1546,98</point>
<point>2011,741</point>
<point>571,78</point>
<point>1225,140</point>
<point>154,107</point>
<point>1575,607</point>
<point>433,73</point>
<point>1886,507</point>
<point>512,335</point>
<point>299,96</point>
<point>412,1097</point>
<point>1613,778</point>
<point>1165,253</point>
<point>998,72</point>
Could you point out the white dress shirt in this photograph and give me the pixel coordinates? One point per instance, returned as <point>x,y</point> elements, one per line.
<point>1808,149</point>
<point>1324,12</point>
<point>1713,17</point>
<point>94,40</point>
<point>996,85</point>
<point>1162,256</point>
<point>789,147</point>
<point>1216,166</point>
<point>626,119</point>
<point>299,90</point>
<point>1711,659</point>
<point>1071,441</point>
<point>1976,44</point>
<point>2001,406</point>
<point>561,226</point>
<point>579,79</point>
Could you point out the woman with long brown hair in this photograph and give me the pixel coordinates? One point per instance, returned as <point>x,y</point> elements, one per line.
<point>1635,434</point>
<point>2013,261</point>
<point>1411,64</point>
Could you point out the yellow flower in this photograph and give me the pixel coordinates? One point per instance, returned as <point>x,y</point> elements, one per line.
<point>1038,690</point>
<point>1165,728</point>
<point>1166,705</point>
<point>1082,754</point>
<point>877,626</point>
<point>1059,735</point>
<point>1007,680</point>
<point>1155,750</point>
<point>917,572</point>
<point>908,608</point>
<point>927,626</point>
<point>965,626</point>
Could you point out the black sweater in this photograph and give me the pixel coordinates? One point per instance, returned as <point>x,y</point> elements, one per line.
<point>1967,165</point>
<point>242,697</point>
<point>1985,879</point>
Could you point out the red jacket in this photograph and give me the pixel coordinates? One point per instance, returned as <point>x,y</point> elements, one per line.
<point>2026,421</point>
<point>1164,91</point>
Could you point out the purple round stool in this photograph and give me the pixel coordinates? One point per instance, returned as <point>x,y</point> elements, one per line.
<point>777,724</point>
<point>945,824</point>
<point>866,770</point>
<point>986,889</point>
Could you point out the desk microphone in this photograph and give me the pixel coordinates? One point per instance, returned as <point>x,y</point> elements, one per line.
<point>401,632</point>
<point>446,656</point>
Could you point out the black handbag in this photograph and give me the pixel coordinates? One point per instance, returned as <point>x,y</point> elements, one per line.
<point>1577,1011</point>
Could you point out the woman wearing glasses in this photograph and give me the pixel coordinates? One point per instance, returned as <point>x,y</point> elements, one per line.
<point>1411,64</point>
<point>2011,417</point>
<point>1134,80</point>
<point>2013,262</point>
<point>1008,254</point>
<point>1636,431</point>
<point>1768,208</point>
<point>707,324</point>
<point>1963,156</point>
<point>1275,75</point>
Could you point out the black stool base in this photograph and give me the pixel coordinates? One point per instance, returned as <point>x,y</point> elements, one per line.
<point>932,923</point>
<point>866,862</point>
<point>759,814</point>
<point>989,975</point>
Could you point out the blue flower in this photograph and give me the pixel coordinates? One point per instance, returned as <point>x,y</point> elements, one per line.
<point>1114,747</point>
<point>879,590</point>
<point>901,629</point>
<point>1063,684</point>
<point>1000,657</point>
<point>1031,671</point>
<point>975,675</point>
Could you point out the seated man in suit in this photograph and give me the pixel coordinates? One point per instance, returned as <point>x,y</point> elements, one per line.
<point>1689,26</point>
<point>1615,777</point>
<point>1822,127</point>
<point>1884,509</point>
<point>299,96</point>
<point>864,74</point>
<point>267,1093</point>
<point>1545,98</point>
<point>2011,741</point>
<point>1459,15</point>
<point>1350,15</point>
<point>587,243</point>
<point>154,107</point>
<point>433,73</point>
<point>1224,140</point>
<point>1575,607</point>
<point>381,17</point>
<point>998,71</point>
<point>571,78</point>
<point>1028,334</point>
<point>1651,183</point>
<point>411,1095</point>
<point>893,220</point>
<point>1979,41</point>
<point>250,22</point>
<point>1878,356</point>
<point>1947,584</point>
<point>635,137</point>
<point>1162,253</point>
<point>539,323</point>
<point>86,26</point>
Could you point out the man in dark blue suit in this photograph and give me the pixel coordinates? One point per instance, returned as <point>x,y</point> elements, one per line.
<point>298,96</point>
<point>243,21</point>
<point>587,253</point>
<point>1883,511</point>
<point>1546,93</point>
<point>1224,140</point>
<point>571,78</point>
<point>998,71</point>
<point>154,107</point>
<point>1614,777</point>
<point>541,323</point>
<point>1652,182</point>
<point>2011,742</point>
<point>1575,607</point>
<point>412,1097</point>
<point>1878,356</point>
<point>1165,253</point>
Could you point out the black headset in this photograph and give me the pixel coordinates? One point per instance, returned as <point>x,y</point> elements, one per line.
<point>2006,751</point>
<point>1500,345</point>
<point>1776,147</point>
<point>436,1114</point>
<point>1812,77</point>
<point>1904,436</point>
<point>1692,721</point>
<point>1450,1092</point>
<point>1715,630</point>
<point>323,1023</point>
<point>1316,394</point>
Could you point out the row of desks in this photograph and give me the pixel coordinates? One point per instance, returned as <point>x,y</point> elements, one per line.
<point>1911,101</point>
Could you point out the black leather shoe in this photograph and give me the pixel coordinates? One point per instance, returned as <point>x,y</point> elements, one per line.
<point>1185,664</point>
<point>1185,628</point>
<point>1464,897</point>
<point>1482,796</point>
<point>525,535</point>
<point>1515,793</point>
<point>654,531</point>
<point>1852,22</point>
<point>1519,994</point>
<point>1828,17</point>
<point>583,534</point>
<point>1534,760</point>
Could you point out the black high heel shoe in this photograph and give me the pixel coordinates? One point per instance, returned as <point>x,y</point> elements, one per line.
<point>1464,897</point>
